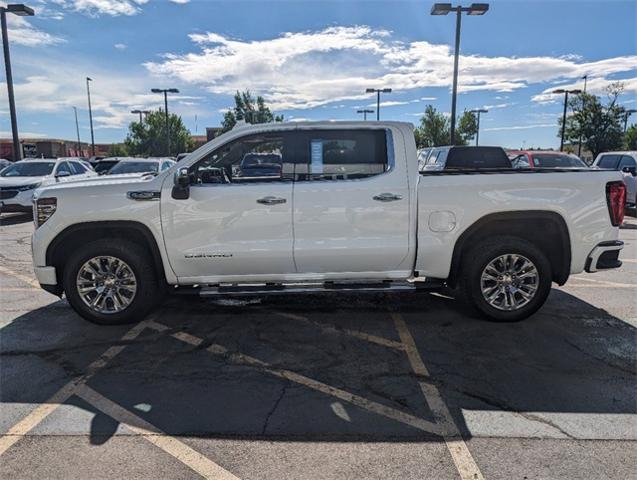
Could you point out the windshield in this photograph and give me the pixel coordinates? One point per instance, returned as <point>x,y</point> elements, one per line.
<point>261,161</point>
<point>28,169</point>
<point>134,167</point>
<point>557,161</point>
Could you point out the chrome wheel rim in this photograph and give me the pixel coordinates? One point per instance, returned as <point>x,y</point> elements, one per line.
<point>509,282</point>
<point>106,284</point>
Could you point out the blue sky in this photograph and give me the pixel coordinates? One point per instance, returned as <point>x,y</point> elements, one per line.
<point>313,60</point>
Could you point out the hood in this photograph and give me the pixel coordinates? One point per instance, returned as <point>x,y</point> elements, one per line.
<point>19,181</point>
<point>106,181</point>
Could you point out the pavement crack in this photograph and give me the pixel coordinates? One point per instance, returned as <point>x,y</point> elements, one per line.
<point>601,360</point>
<point>274,407</point>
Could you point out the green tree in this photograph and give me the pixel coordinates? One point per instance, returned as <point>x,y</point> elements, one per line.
<point>630,139</point>
<point>598,125</point>
<point>117,150</point>
<point>435,128</point>
<point>149,137</point>
<point>249,109</point>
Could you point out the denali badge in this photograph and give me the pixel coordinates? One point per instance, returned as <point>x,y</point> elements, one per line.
<point>208,255</point>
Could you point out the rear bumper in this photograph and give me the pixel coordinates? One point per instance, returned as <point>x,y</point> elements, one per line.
<point>604,256</point>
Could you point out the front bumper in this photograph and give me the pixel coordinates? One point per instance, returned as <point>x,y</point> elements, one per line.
<point>604,256</point>
<point>46,275</point>
<point>21,202</point>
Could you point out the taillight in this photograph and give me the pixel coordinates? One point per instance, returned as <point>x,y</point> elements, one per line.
<point>616,199</point>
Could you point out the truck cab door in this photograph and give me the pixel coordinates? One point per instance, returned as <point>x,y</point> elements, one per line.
<point>351,205</point>
<point>236,223</point>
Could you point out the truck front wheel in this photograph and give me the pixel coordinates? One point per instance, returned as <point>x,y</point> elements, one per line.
<point>110,282</point>
<point>506,278</point>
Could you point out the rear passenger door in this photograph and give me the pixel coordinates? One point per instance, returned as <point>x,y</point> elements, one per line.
<point>629,179</point>
<point>351,205</point>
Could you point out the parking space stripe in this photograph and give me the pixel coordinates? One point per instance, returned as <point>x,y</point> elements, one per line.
<point>385,342</point>
<point>343,395</point>
<point>19,276</point>
<point>28,423</point>
<point>604,282</point>
<point>462,458</point>
<point>169,444</point>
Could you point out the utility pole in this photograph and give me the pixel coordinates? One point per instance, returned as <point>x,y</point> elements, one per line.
<point>479,111</point>
<point>565,92</point>
<point>90,114</point>
<point>579,145</point>
<point>365,111</point>
<point>378,91</point>
<point>77,129</point>
<point>21,11</point>
<point>166,91</point>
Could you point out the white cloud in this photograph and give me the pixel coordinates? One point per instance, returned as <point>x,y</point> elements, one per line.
<point>95,8</point>
<point>521,127</point>
<point>22,32</point>
<point>120,46</point>
<point>498,105</point>
<point>181,2</point>
<point>595,86</point>
<point>300,70</point>
<point>23,135</point>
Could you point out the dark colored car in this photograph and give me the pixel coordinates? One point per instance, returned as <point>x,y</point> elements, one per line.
<point>466,158</point>
<point>260,165</point>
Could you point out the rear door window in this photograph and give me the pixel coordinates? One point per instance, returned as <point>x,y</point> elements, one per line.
<point>609,161</point>
<point>341,154</point>
<point>77,168</point>
<point>627,161</point>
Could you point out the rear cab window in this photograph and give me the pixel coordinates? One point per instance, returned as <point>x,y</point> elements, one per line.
<point>475,158</point>
<point>609,161</point>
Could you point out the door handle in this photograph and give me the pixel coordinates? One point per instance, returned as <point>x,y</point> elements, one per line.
<point>269,200</point>
<point>387,197</point>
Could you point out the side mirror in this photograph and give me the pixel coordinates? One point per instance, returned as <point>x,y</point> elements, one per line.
<point>631,170</point>
<point>62,174</point>
<point>181,188</point>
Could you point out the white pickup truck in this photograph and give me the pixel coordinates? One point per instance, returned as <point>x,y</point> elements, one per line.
<point>298,207</point>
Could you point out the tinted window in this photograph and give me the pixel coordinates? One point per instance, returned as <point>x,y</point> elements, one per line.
<point>250,159</point>
<point>134,167</point>
<point>63,167</point>
<point>609,161</point>
<point>520,161</point>
<point>627,161</point>
<point>104,166</point>
<point>556,161</point>
<point>28,169</point>
<point>77,168</point>
<point>343,154</point>
<point>477,158</point>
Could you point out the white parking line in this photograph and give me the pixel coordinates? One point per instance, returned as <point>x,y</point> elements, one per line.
<point>28,423</point>
<point>462,458</point>
<point>19,276</point>
<point>343,395</point>
<point>182,452</point>
<point>604,282</point>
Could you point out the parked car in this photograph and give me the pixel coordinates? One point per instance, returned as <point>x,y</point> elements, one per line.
<point>544,159</point>
<point>625,162</point>
<point>128,165</point>
<point>260,165</point>
<point>423,153</point>
<point>19,180</point>
<point>181,156</point>
<point>463,158</point>
<point>4,163</point>
<point>103,165</point>
<point>349,212</point>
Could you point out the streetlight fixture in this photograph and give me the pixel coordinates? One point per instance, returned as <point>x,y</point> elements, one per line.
<point>378,91</point>
<point>166,91</point>
<point>479,111</point>
<point>141,112</point>
<point>365,111</point>
<point>559,91</point>
<point>627,114</point>
<point>21,11</point>
<point>90,114</point>
<point>445,9</point>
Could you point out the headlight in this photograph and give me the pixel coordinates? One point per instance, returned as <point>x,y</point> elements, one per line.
<point>24,188</point>
<point>44,208</point>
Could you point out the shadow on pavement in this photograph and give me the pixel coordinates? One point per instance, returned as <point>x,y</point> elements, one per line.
<point>15,219</point>
<point>569,358</point>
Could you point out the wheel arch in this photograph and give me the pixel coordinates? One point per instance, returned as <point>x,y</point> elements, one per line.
<point>79,234</point>
<point>547,230</point>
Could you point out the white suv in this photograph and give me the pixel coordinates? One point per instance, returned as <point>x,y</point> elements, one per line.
<point>19,180</point>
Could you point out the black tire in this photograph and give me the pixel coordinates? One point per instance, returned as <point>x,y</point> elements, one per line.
<point>141,264</point>
<point>482,254</point>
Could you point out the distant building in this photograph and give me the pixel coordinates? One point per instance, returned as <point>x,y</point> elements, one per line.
<point>50,148</point>
<point>212,132</point>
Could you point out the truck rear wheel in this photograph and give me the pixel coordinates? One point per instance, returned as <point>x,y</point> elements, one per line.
<point>111,282</point>
<point>506,278</point>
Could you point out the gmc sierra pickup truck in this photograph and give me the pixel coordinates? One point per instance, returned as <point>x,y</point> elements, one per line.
<point>331,207</point>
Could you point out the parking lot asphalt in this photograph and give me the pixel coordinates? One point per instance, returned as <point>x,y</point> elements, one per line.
<point>319,386</point>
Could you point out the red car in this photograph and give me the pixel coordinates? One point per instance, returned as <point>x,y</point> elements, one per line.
<point>544,159</point>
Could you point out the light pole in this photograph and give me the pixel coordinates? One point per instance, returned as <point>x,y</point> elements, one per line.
<point>365,111</point>
<point>479,111</point>
<point>141,112</point>
<point>166,91</point>
<point>627,114</point>
<point>378,91</point>
<point>579,144</point>
<point>565,92</point>
<point>77,129</point>
<point>90,114</point>
<point>444,9</point>
<point>21,11</point>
